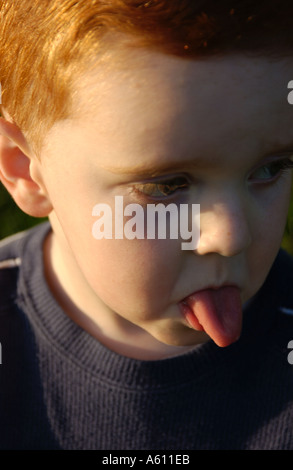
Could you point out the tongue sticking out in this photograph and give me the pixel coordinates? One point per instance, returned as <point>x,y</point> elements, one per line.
<point>216,311</point>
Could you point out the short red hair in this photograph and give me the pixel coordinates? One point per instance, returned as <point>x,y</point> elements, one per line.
<point>45,44</point>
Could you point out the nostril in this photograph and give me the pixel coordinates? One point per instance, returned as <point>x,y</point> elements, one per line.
<point>224,233</point>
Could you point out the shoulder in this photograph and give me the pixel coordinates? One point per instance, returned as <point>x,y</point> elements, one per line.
<point>13,250</point>
<point>270,312</point>
<point>283,266</point>
<point>278,290</point>
<point>280,283</point>
<point>284,259</point>
<point>278,287</point>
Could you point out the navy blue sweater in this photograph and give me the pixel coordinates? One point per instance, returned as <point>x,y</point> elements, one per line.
<point>61,389</point>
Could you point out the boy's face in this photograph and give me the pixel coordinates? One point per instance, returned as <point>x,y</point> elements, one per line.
<point>219,130</point>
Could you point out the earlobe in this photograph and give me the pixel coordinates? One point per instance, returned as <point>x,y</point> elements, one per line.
<point>16,160</point>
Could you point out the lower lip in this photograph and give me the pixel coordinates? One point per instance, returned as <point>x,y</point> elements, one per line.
<point>189,316</point>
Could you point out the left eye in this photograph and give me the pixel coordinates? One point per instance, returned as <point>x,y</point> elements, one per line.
<point>161,189</point>
<point>271,170</point>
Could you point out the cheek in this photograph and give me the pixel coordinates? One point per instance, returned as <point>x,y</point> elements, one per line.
<point>268,229</point>
<point>125,274</point>
<point>273,214</point>
<point>131,274</point>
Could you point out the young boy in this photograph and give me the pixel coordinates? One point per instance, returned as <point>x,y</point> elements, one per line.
<point>132,342</point>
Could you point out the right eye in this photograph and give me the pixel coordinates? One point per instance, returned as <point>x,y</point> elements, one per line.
<point>163,188</point>
<point>272,170</point>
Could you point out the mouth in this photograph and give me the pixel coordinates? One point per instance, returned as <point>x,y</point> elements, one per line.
<point>216,311</point>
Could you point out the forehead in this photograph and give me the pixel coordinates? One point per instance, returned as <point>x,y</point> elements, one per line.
<point>146,100</point>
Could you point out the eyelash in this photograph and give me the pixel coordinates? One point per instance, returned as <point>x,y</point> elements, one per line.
<point>181,183</point>
<point>281,167</point>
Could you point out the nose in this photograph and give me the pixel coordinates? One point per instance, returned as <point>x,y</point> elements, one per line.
<point>224,227</point>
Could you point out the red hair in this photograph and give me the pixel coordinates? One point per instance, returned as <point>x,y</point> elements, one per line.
<point>45,45</point>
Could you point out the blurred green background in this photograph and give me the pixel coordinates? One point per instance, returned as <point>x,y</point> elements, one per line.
<point>288,235</point>
<point>13,220</point>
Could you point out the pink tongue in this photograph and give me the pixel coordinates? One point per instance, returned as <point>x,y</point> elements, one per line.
<point>218,312</point>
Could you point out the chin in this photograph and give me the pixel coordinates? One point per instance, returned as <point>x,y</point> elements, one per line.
<point>182,336</point>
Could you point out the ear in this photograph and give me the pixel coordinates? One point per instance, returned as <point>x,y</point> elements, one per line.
<point>20,171</point>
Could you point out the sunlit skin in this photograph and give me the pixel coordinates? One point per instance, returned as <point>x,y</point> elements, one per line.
<point>217,124</point>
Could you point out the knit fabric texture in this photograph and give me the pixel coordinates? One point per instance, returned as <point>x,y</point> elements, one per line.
<point>60,388</point>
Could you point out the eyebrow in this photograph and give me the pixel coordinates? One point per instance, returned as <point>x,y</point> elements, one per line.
<point>144,170</point>
<point>195,163</point>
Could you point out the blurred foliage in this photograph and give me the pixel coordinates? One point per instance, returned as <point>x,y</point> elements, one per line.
<point>287,243</point>
<point>13,220</point>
